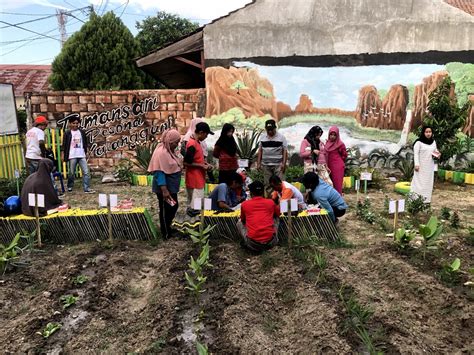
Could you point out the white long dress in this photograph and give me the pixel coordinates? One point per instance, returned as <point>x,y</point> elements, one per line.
<point>422,183</point>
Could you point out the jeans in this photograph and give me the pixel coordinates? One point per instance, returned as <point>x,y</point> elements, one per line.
<point>268,171</point>
<point>32,165</point>
<point>86,177</point>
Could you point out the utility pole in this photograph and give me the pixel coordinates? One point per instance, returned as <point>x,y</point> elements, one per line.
<point>62,19</point>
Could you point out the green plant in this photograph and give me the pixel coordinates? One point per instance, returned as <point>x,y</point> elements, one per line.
<point>49,329</point>
<point>80,279</point>
<point>364,211</point>
<point>123,171</point>
<point>201,348</point>
<point>200,236</point>
<point>445,213</point>
<point>416,204</point>
<point>9,253</point>
<point>403,237</point>
<point>445,118</point>
<point>256,175</point>
<point>450,271</point>
<point>406,167</point>
<point>430,232</point>
<point>68,300</point>
<point>294,173</point>
<point>319,261</point>
<point>143,154</point>
<point>455,221</point>
<point>247,144</point>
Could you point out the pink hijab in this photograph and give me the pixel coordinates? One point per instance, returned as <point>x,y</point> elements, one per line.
<point>190,132</point>
<point>163,158</point>
<point>330,145</point>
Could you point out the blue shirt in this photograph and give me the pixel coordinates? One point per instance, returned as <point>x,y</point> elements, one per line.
<point>224,193</point>
<point>171,181</point>
<point>328,198</point>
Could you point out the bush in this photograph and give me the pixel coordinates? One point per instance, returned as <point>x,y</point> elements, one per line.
<point>256,175</point>
<point>294,173</point>
<point>416,204</point>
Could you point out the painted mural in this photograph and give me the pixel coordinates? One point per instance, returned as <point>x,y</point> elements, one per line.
<point>375,106</point>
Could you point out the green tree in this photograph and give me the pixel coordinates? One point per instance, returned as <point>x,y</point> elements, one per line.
<point>155,32</point>
<point>463,78</point>
<point>446,119</point>
<point>99,56</point>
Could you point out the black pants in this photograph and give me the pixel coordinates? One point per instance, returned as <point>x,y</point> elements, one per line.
<point>224,175</point>
<point>338,212</point>
<point>167,213</point>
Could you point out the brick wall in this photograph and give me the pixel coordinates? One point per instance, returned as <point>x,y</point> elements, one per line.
<point>116,121</point>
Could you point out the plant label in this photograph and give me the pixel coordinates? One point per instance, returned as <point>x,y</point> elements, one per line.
<point>208,204</point>
<point>294,204</point>
<point>32,202</point>
<point>392,206</point>
<point>197,203</point>
<point>113,200</point>
<point>366,176</point>
<point>284,206</point>
<point>102,200</point>
<point>40,198</point>
<point>243,163</point>
<point>401,205</point>
<point>392,179</point>
<point>17,174</point>
<point>357,185</point>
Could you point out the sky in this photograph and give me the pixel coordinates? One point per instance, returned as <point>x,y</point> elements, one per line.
<point>37,42</point>
<point>338,87</point>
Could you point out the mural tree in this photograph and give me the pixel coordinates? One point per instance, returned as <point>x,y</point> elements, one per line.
<point>98,57</point>
<point>446,119</point>
<point>463,77</point>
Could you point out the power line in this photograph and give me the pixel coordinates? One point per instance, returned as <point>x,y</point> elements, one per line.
<point>20,14</point>
<point>126,4</point>
<point>37,19</point>
<point>25,29</point>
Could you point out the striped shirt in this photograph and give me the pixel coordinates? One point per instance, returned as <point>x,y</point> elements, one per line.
<point>272,148</point>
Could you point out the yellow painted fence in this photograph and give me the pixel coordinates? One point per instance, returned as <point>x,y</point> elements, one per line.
<point>11,156</point>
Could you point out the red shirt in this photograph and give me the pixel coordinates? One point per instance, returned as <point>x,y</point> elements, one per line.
<point>195,177</point>
<point>257,214</point>
<point>226,161</point>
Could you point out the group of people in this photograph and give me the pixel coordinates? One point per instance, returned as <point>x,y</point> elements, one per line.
<point>41,164</point>
<point>323,178</point>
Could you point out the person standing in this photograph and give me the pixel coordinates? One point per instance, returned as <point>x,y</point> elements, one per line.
<point>74,151</point>
<point>259,217</point>
<point>424,153</point>
<point>196,165</point>
<point>313,154</point>
<point>166,168</point>
<point>336,155</point>
<point>272,153</point>
<point>225,150</point>
<point>35,147</point>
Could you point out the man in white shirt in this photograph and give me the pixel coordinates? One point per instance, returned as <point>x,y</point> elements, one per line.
<point>74,151</point>
<point>35,148</point>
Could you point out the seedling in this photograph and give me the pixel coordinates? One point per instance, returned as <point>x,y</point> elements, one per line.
<point>319,261</point>
<point>403,237</point>
<point>80,279</point>
<point>430,233</point>
<point>201,236</point>
<point>49,329</point>
<point>445,213</point>
<point>201,348</point>
<point>416,204</point>
<point>455,221</point>
<point>9,253</point>
<point>195,284</point>
<point>68,300</point>
<point>450,272</point>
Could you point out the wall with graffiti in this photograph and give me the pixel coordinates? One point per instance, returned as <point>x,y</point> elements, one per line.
<point>116,122</point>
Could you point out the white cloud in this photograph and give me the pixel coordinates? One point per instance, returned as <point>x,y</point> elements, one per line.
<point>17,4</point>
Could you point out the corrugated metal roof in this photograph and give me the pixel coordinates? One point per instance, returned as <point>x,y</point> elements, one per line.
<point>25,78</point>
<point>464,5</point>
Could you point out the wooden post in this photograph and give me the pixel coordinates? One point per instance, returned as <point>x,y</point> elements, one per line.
<point>38,226</point>
<point>290,226</point>
<point>109,218</point>
<point>365,187</point>
<point>357,186</point>
<point>395,217</point>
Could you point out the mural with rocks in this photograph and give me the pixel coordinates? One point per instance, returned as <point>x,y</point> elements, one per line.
<point>116,122</point>
<point>375,107</point>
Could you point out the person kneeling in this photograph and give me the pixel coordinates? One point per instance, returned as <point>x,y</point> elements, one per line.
<point>283,190</point>
<point>228,195</point>
<point>258,223</point>
<point>327,197</point>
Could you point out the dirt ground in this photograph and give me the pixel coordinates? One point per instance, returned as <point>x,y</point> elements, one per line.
<point>135,301</point>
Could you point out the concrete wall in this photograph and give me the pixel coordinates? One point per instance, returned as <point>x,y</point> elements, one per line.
<point>282,28</point>
<point>116,121</point>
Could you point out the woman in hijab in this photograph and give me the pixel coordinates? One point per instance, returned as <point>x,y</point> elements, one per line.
<point>225,150</point>
<point>40,183</point>
<point>424,153</point>
<point>166,168</point>
<point>313,154</point>
<point>336,155</point>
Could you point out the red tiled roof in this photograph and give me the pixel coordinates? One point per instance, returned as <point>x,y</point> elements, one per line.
<point>464,5</point>
<point>25,78</point>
